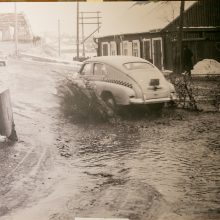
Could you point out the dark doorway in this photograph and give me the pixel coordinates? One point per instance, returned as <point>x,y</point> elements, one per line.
<point>147,50</point>
<point>157,53</point>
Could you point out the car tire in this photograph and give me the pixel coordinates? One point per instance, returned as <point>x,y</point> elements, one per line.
<point>109,101</point>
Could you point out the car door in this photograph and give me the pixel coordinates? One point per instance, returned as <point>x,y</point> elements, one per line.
<point>99,74</point>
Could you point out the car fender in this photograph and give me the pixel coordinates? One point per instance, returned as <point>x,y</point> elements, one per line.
<point>121,93</point>
<point>171,87</point>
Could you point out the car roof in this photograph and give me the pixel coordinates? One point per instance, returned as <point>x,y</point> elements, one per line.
<point>116,61</point>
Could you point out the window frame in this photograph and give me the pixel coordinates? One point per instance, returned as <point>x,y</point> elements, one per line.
<point>113,48</point>
<point>138,48</point>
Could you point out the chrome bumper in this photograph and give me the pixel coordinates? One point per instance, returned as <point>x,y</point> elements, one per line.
<point>152,101</point>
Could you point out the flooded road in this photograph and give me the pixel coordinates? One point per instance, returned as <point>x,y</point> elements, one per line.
<point>163,167</point>
<point>152,167</point>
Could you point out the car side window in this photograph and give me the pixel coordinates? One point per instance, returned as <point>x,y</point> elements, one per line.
<point>100,69</point>
<point>86,70</point>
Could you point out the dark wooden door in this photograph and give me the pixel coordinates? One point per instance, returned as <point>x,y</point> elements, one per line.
<point>147,52</point>
<point>157,55</point>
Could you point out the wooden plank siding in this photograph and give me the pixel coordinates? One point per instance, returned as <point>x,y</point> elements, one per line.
<point>201,31</point>
<point>204,13</point>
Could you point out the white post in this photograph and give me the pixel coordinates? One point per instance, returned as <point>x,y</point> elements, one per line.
<point>59,37</point>
<point>16,30</point>
<point>83,44</point>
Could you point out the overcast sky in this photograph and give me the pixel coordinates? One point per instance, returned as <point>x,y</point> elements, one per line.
<point>43,16</point>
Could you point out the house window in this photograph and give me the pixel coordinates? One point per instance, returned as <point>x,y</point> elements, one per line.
<point>105,49</point>
<point>113,48</point>
<point>125,48</point>
<point>136,48</point>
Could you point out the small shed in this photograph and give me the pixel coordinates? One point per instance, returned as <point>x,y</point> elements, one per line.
<point>149,30</point>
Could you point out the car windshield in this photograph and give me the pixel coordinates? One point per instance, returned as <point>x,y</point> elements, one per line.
<point>138,65</point>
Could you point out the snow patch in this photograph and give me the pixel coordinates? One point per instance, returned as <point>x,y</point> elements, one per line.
<point>206,67</point>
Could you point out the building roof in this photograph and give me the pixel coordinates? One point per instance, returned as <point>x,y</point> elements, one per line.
<point>144,17</point>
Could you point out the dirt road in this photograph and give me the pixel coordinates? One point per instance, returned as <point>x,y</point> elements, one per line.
<point>146,168</point>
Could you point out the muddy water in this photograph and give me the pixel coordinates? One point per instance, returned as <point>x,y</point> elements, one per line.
<point>147,168</point>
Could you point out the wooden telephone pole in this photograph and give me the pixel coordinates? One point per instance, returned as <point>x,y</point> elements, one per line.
<point>180,37</point>
<point>83,44</point>
<point>77,30</point>
<point>83,18</point>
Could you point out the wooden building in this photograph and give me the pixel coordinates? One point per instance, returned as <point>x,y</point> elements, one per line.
<point>150,31</point>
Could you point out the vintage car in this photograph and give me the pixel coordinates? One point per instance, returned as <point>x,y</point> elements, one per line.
<point>126,80</point>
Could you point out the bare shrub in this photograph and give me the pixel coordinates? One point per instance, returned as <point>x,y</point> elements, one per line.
<point>215,92</point>
<point>82,102</point>
<point>186,91</point>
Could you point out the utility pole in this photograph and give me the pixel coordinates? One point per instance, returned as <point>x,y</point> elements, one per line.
<point>180,36</point>
<point>83,44</point>
<point>59,37</point>
<point>89,17</point>
<point>16,30</point>
<point>98,22</point>
<point>77,30</point>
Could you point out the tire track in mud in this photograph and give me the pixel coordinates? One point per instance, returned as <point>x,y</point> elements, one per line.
<point>20,163</point>
<point>29,169</point>
<point>21,181</point>
<point>111,196</point>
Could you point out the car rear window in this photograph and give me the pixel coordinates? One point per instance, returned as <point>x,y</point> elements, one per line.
<point>137,65</point>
